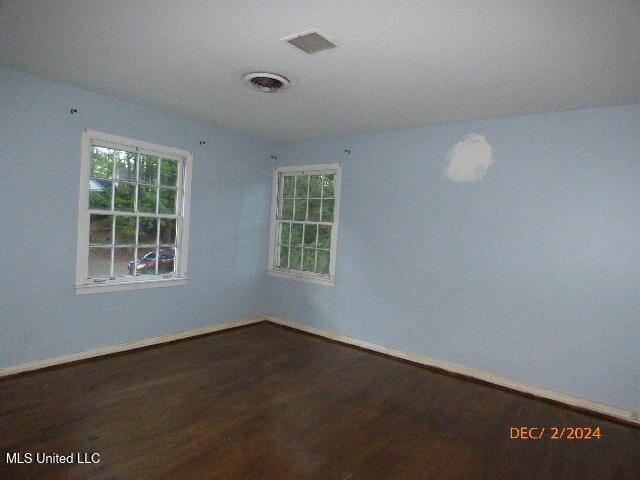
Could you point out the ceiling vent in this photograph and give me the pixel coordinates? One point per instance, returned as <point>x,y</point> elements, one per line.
<point>266,82</point>
<point>313,41</point>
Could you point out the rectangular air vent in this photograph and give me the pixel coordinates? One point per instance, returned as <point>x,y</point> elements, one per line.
<point>310,42</point>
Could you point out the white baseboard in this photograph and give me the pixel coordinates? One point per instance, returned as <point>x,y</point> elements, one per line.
<point>49,362</point>
<point>596,407</point>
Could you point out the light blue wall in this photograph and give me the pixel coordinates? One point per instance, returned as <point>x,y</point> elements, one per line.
<point>40,315</point>
<point>532,273</point>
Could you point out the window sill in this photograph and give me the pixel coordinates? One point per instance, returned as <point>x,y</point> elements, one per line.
<point>302,278</point>
<point>123,286</point>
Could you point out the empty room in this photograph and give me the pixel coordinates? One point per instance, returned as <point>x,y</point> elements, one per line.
<point>338,240</point>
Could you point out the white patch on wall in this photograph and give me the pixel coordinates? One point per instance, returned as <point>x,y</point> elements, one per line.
<point>469,160</point>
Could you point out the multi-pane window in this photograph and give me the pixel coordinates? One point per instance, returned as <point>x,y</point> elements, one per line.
<point>133,225</point>
<point>304,222</point>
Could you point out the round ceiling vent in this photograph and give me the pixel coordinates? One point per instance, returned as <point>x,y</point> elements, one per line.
<point>266,82</point>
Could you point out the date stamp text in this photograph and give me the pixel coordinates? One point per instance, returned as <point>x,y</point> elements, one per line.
<point>555,433</point>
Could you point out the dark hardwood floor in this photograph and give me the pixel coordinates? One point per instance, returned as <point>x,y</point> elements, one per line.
<point>265,402</point>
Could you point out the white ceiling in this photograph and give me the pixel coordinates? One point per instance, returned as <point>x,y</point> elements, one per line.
<point>400,64</point>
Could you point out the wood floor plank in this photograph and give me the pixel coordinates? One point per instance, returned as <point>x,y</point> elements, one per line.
<point>265,402</point>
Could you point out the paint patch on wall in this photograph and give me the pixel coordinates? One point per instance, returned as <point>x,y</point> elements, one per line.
<point>469,160</point>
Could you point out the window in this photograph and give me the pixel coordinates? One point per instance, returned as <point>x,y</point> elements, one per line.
<point>304,222</point>
<point>133,224</point>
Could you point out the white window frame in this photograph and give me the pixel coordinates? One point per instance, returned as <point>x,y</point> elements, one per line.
<point>179,277</point>
<point>276,201</point>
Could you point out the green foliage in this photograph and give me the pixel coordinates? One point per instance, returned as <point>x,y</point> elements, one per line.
<point>101,163</point>
<point>100,199</point>
<point>302,186</point>
<point>167,231</point>
<point>315,186</point>
<point>296,258</point>
<point>284,256</point>
<point>287,209</point>
<point>307,247</point>
<point>324,236</point>
<point>147,199</point>
<point>284,233</point>
<point>149,169</point>
<point>313,213</point>
<point>126,163</point>
<point>124,196</point>
<point>168,172</point>
<point>328,186</point>
<point>310,232</point>
<point>167,200</point>
<point>309,260</point>
<point>323,262</point>
<point>296,233</point>
<point>289,186</point>
<point>327,210</point>
<point>102,231</point>
<point>300,210</point>
<point>293,236</point>
<point>147,230</point>
<point>100,227</point>
<point>125,230</point>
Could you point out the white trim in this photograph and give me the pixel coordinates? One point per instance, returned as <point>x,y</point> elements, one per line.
<point>117,142</point>
<point>183,250</point>
<point>319,169</point>
<point>337,185</point>
<point>564,398</point>
<point>82,245</point>
<point>131,285</point>
<point>302,277</point>
<point>183,199</point>
<point>26,367</point>
<point>172,216</point>
<point>272,215</point>
<point>309,169</point>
